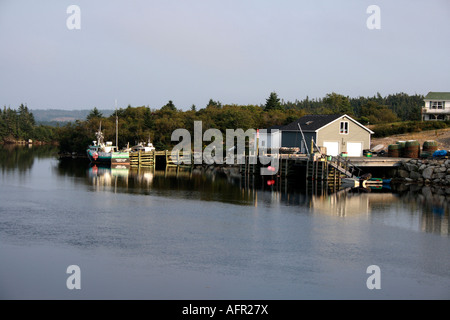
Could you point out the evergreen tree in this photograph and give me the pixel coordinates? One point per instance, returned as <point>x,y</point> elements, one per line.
<point>169,107</point>
<point>273,102</point>
<point>94,114</point>
<point>214,104</point>
<point>149,123</point>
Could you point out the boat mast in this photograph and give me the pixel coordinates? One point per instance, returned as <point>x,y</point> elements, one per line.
<point>117,129</point>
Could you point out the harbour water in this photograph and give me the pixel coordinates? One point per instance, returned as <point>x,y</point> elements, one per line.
<point>168,234</point>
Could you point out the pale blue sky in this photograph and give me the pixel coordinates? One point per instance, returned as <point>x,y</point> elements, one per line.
<point>145,52</point>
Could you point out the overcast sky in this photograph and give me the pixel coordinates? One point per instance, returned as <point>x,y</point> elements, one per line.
<point>236,51</point>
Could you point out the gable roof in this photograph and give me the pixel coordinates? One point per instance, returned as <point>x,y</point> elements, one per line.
<point>311,122</point>
<point>438,96</point>
<point>314,122</point>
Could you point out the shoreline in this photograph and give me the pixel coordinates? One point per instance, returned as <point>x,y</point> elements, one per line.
<point>433,172</point>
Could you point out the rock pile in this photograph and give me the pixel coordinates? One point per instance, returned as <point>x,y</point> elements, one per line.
<point>425,171</point>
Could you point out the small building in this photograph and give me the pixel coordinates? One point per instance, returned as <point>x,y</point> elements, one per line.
<point>437,106</point>
<point>337,133</point>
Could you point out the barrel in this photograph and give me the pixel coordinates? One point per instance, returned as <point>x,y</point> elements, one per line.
<point>401,148</point>
<point>430,146</point>
<point>412,149</point>
<point>394,150</point>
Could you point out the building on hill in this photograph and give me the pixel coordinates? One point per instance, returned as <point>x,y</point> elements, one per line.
<point>437,106</point>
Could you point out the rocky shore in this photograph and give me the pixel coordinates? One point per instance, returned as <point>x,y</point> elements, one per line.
<point>434,171</point>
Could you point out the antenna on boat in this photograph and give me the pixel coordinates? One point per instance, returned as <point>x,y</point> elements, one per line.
<point>117,128</point>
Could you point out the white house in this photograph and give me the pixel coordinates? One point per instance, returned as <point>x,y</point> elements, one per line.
<point>437,106</point>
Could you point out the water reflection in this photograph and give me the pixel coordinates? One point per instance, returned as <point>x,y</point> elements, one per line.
<point>410,206</point>
<point>21,157</point>
<point>418,208</point>
<point>174,182</point>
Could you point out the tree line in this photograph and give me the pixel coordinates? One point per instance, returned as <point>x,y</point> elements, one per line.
<point>142,123</point>
<point>16,125</point>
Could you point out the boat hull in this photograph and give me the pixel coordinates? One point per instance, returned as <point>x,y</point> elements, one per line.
<point>355,183</point>
<point>108,157</point>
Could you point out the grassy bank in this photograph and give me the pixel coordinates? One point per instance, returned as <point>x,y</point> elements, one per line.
<point>390,129</point>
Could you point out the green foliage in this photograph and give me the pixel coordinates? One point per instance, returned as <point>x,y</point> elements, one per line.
<point>138,124</point>
<point>95,113</point>
<point>214,104</point>
<point>273,102</point>
<point>337,104</point>
<point>20,125</point>
<point>389,129</point>
<point>373,112</point>
<point>404,106</point>
<point>170,107</point>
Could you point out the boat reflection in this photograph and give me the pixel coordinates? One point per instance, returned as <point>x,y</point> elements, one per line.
<point>175,182</point>
<point>104,177</point>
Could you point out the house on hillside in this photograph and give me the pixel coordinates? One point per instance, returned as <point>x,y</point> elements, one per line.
<point>437,106</point>
<point>337,133</point>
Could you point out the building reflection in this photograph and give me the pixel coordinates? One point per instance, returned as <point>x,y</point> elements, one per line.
<point>420,208</point>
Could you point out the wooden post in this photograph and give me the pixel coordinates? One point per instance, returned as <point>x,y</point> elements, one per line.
<point>286,169</point>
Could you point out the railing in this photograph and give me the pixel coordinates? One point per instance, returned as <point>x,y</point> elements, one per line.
<point>348,168</point>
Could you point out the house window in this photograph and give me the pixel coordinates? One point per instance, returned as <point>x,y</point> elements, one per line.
<point>437,105</point>
<point>344,127</point>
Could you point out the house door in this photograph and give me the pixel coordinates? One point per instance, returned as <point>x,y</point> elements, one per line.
<point>332,147</point>
<point>354,149</point>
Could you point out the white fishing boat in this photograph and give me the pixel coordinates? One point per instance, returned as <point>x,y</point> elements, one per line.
<point>101,152</point>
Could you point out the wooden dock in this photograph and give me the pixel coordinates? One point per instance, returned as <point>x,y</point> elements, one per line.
<point>321,168</point>
<point>290,166</point>
<point>151,158</point>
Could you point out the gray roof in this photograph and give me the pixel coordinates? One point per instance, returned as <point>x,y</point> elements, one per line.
<point>311,122</point>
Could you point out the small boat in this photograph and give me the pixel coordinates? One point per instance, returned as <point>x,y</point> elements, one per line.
<point>353,182</point>
<point>105,153</point>
<point>358,182</point>
<point>145,147</point>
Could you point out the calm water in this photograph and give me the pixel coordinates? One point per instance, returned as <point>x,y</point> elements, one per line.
<point>144,234</point>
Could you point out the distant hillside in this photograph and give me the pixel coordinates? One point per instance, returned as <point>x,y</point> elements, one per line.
<point>53,116</point>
